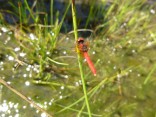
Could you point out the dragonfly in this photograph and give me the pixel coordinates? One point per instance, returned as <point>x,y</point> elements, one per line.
<point>67,53</point>
<point>83,48</point>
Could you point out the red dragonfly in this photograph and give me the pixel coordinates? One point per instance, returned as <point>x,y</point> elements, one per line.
<point>67,54</point>
<point>83,48</point>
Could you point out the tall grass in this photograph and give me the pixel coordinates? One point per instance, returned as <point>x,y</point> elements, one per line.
<point>45,35</point>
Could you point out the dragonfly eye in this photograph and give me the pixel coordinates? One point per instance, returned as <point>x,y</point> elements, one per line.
<point>80,41</point>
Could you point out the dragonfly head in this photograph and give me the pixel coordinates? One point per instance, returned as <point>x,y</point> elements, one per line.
<point>82,45</point>
<point>80,40</point>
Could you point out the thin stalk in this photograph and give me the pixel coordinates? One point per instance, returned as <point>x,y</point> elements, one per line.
<point>81,111</point>
<point>59,27</point>
<point>150,74</point>
<point>30,11</point>
<point>79,58</point>
<point>19,9</point>
<point>51,12</point>
<point>90,13</point>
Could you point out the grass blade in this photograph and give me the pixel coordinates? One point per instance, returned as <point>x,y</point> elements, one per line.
<point>79,58</point>
<point>149,75</point>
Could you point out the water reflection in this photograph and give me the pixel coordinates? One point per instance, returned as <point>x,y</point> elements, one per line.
<point>8,108</point>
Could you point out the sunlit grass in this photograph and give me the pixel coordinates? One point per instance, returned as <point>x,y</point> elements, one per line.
<point>40,44</point>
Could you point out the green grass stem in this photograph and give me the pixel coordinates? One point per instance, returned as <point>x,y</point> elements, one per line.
<point>79,59</point>
<point>56,62</point>
<point>30,11</point>
<point>150,73</point>
<point>20,16</point>
<point>58,27</point>
<point>51,12</point>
